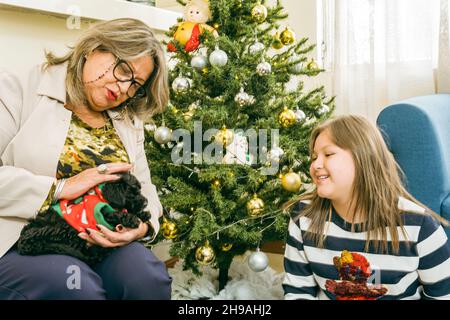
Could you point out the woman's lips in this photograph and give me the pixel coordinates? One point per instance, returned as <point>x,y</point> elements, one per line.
<point>110,95</point>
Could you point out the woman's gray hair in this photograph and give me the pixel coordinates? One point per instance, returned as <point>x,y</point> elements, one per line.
<point>127,39</point>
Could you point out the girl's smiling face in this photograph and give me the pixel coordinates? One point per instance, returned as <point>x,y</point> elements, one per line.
<point>332,170</point>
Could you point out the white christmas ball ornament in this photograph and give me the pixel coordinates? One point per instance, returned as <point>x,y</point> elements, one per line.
<point>218,58</point>
<point>296,68</point>
<point>300,116</point>
<point>180,84</point>
<point>199,62</point>
<point>258,261</point>
<point>163,135</point>
<point>244,99</point>
<point>264,68</point>
<point>275,154</point>
<point>256,48</point>
<point>323,109</point>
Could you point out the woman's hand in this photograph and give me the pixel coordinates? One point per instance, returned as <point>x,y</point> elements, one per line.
<point>89,178</point>
<point>110,239</point>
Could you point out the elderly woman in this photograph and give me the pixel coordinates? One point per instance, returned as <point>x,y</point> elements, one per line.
<point>79,123</point>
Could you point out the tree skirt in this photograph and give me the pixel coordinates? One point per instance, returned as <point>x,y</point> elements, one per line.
<point>243,283</point>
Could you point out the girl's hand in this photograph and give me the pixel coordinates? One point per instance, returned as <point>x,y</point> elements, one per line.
<point>110,239</point>
<point>84,181</point>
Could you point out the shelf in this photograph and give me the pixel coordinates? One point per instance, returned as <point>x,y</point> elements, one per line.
<point>156,18</point>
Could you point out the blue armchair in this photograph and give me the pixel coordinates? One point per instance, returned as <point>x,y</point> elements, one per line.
<point>417,132</point>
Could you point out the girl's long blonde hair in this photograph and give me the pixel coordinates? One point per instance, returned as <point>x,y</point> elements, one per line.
<point>125,38</point>
<point>376,188</point>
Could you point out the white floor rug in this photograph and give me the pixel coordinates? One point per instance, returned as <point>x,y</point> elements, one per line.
<point>244,284</point>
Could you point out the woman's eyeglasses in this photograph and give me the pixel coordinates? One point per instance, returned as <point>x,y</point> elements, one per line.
<point>123,73</point>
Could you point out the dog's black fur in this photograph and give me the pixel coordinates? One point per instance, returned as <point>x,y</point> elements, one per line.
<point>48,233</point>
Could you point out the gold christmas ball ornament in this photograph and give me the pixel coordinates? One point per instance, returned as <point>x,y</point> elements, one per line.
<point>259,13</point>
<point>276,41</point>
<point>216,183</point>
<point>224,136</point>
<point>291,182</point>
<point>287,37</point>
<point>226,247</point>
<point>312,65</point>
<point>190,113</point>
<point>169,229</point>
<point>205,254</point>
<point>216,26</point>
<point>255,206</point>
<point>287,118</point>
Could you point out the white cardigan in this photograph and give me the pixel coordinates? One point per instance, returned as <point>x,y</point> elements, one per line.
<point>33,130</point>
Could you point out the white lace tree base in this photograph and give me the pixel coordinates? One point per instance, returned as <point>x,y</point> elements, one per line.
<point>243,283</point>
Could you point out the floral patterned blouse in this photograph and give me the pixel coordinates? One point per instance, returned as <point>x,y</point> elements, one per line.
<point>87,147</point>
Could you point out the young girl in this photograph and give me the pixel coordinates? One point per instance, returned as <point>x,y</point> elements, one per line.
<point>360,234</point>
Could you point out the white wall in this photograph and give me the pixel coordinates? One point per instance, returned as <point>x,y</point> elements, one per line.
<point>25,36</point>
<point>26,33</point>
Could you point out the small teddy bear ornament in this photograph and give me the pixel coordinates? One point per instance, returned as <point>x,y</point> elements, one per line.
<point>196,14</point>
<point>354,272</point>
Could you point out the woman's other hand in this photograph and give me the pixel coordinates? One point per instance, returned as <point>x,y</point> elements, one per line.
<point>84,181</point>
<point>110,239</point>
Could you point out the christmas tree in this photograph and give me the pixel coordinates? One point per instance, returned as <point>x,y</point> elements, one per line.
<point>232,147</point>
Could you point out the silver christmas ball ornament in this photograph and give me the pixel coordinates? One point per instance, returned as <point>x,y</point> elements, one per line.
<point>199,62</point>
<point>264,68</point>
<point>258,261</point>
<point>163,135</point>
<point>244,99</point>
<point>256,47</point>
<point>275,154</point>
<point>181,85</point>
<point>323,109</point>
<point>300,116</point>
<point>295,68</point>
<point>218,58</point>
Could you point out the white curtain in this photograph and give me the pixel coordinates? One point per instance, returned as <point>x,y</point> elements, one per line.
<point>383,51</point>
<point>443,71</point>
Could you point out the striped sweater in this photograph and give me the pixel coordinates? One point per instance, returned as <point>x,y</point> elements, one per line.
<point>421,269</point>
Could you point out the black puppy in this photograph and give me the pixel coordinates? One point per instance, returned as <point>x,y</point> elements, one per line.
<point>49,233</point>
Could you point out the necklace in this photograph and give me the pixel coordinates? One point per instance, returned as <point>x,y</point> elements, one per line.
<point>81,117</point>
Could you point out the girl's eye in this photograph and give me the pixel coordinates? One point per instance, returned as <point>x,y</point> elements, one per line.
<point>329,154</point>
